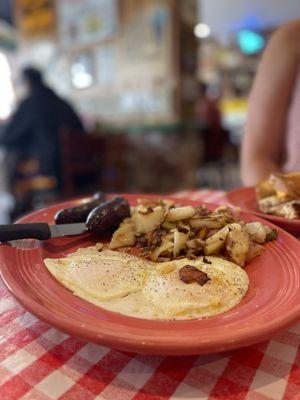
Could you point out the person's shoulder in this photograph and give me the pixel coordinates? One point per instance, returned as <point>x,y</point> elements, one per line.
<point>291,26</point>
<point>286,39</point>
<point>25,100</point>
<point>290,32</point>
<point>25,104</point>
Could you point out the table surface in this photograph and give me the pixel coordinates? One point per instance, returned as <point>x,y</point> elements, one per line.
<point>39,362</point>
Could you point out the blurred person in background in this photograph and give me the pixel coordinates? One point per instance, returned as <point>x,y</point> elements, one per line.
<point>31,140</point>
<point>209,123</point>
<point>32,134</point>
<point>272,136</point>
<point>206,109</point>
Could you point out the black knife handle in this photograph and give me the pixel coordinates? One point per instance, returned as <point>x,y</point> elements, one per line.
<point>40,231</point>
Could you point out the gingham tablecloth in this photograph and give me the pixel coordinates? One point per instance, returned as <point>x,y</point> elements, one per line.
<point>39,362</point>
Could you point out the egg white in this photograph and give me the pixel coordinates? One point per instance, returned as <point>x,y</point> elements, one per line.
<point>138,287</point>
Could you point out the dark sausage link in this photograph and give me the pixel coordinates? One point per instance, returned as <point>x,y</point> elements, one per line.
<point>107,217</point>
<point>79,213</point>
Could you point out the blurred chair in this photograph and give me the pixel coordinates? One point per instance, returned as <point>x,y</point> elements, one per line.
<point>115,163</point>
<point>30,189</point>
<point>81,162</point>
<point>220,160</point>
<point>215,143</point>
<point>91,162</point>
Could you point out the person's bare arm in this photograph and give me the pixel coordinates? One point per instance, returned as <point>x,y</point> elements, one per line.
<point>268,105</point>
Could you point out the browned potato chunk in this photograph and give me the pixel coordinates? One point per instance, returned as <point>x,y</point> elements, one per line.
<point>164,247</point>
<point>147,219</point>
<point>257,231</point>
<point>208,223</point>
<point>254,251</point>
<point>180,213</point>
<point>214,243</point>
<point>124,236</point>
<point>179,242</point>
<point>237,246</point>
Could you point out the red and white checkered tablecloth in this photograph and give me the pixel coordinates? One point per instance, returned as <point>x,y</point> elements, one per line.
<point>39,362</point>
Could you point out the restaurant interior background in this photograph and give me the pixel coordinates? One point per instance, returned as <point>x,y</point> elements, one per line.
<point>132,69</point>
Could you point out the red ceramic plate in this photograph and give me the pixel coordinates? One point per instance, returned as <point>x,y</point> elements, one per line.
<point>271,304</point>
<point>245,198</point>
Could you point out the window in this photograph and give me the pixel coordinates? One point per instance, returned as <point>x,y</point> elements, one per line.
<point>6,92</point>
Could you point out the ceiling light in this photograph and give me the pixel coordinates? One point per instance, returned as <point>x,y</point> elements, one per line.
<point>202,30</point>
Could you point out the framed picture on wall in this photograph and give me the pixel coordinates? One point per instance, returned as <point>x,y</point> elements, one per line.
<point>35,18</point>
<point>86,22</point>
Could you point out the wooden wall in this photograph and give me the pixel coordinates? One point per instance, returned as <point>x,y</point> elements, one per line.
<point>137,64</point>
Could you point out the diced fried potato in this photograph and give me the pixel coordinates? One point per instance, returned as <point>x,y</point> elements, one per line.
<point>208,223</point>
<point>222,208</point>
<point>222,233</point>
<point>211,232</point>
<point>237,246</point>
<point>164,233</point>
<point>254,251</point>
<point>213,248</point>
<point>146,220</point>
<point>124,236</point>
<point>191,244</point>
<point>196,244</point>
<point>202,233</point>
<point>257,231</point>
<point>180,213</point>
<point>214,243</point>
<point>168,225</point>
<point>167,203</point>
<point>184,227</point>
<point>179,242</point>
<point>227,213</point>
<point>169,237</point>
<point>160,249</point>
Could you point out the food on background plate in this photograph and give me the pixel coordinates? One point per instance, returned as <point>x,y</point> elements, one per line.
<point>280,195</point>
<point>165,261</point>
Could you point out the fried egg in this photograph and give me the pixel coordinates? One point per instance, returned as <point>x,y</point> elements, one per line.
<point>173,299</point>
<point>137,287</point>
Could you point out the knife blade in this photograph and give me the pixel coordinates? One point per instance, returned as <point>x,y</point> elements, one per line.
<point>40,231</point>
